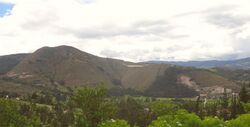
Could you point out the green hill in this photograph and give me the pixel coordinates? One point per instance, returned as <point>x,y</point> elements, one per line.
<point>67,67</point>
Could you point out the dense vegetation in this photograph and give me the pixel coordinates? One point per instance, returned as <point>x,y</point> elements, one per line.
<point>92,107</point>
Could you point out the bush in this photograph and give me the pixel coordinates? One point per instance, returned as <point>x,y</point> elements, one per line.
<point>246,107</point>
<point>114,123</point>
<point>213,122</point>
<point>163,108</point>
<point>241,121</point>
<point>181,119</point>
<point>11,117</point>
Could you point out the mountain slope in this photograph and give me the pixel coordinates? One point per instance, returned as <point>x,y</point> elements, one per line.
<point>10,61</point>
<point>178,81</point>
<point>64,66</point>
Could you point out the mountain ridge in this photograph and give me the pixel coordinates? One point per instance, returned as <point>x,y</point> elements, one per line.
<point>65,66</point>
<point>243,63</point>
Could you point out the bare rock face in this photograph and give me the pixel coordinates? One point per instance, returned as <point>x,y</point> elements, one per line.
<point>187,81</point>
<point>213,90</point>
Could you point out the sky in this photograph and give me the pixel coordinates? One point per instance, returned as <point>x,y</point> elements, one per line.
<point>132,30</point>
<point>5,8</point>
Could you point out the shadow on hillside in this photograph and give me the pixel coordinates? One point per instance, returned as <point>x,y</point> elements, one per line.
<point>167,86</point>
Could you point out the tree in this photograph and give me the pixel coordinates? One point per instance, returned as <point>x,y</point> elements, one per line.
<point>224,113</point>
<point>11,117</point>
<point>162,108</point>
<point>243,94</point>
<point>233,106</point>
<point>199,107</point>
<point>134,112</point>
<point>64,116</point>
<point>91,106</point>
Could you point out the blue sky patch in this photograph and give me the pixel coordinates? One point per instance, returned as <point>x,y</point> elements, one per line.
<point>5,8</point>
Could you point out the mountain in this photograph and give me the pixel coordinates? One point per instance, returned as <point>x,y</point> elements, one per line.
<point>66,67</point>
<point>236,75</point>
<point>231,64</point>
<point>10,61</point>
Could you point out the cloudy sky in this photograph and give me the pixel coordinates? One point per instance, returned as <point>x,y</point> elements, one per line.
<point>134,30</point>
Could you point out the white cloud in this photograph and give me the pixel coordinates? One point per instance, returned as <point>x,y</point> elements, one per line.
<point>135,30</point>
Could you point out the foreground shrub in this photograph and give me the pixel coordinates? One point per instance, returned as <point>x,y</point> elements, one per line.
<point>241,121</point>
<point>213,122</point>
<point>181,119</point>
<point>114,123</point>
<point>11,117</point>
<point>246,107</point>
